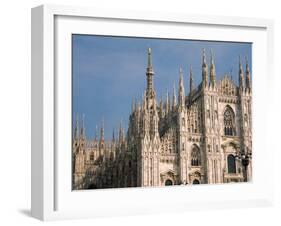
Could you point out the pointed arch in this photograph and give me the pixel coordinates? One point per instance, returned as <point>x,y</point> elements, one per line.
<point>231,164</point>
<point>195,156</point>
<point>229,121</point>
<point>195,181</point>
<point>168,182</point>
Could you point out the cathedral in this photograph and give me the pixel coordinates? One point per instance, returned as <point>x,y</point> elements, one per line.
<point>203,137</point>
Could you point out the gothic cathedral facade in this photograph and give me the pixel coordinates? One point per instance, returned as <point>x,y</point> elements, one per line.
<point>197,138</point>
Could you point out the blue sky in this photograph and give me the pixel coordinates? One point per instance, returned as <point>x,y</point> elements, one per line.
<point>109,71</point>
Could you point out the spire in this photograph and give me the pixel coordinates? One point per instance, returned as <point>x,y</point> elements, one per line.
<point>181,90</point>
<point>204,69</point>
<point>174,97</point>
<point>161,107</point>
<point>190,80</point>
<point>149,63</point>
<point>241,75</point>
<point>212,70</point>
<point>167,102</point>
<point>102,131</point>
<point>82,130</point>
<point>149,73</point>
<point>121,132</point>
<point>96,134</point>
<point>248,79</point>
<point>76,129</point>
<point>139,106</point>
<point>133,105</point>
<point>136,104</point>
<point>144,103</point>
<point>113,136</point>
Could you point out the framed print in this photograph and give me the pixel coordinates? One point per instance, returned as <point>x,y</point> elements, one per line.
<point>136,113</point>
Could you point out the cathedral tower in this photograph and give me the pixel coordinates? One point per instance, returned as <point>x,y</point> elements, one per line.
<point>148,169</point>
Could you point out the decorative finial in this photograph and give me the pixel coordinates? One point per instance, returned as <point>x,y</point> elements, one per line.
<point>181,74</point>
<point>204,56</point>
<point>174,96</point>
<point>133,104</point>
<point>113,135</point>
<point>76,130</point>
<point>96,135</point>
<point>241,75</point>
<point>102,130</point>
<point>212,56</point>
<point>190,79</point>
<point>248,82</point>
<point>149,63</point>
<point>82,131</point>
<point>247,65</point>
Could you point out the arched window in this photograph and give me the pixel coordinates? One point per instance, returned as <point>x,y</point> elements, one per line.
<point>168,182</point>
<point>196,181</point>
<point>231,164</point>
<point>229,119</point>
<point>195,156</point>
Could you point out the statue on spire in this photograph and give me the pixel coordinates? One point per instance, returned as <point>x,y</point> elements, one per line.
<point>248,79</point>
<point>174,97</point>
<point>149,74</point>
<point>102,131</point>
<point>204,69</point>
<point>82,130</point>
<point>76,129</point>
<point>212,70</point>
<point>133,105</point>
<point>190,80</point>
<point>121,132</point>
<point>167,102</point>
<point>181,90</point>
<point>161,107</point>
<point>113,136</point>
<point>241,75</point>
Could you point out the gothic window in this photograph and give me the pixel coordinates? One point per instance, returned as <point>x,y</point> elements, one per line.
<point>231,164</point>
<point>91,157</point>
<point>229,117</point>
<point>183,122</point>
<point>168,182</point>
<point>196,181</point>
<point>195,156</point>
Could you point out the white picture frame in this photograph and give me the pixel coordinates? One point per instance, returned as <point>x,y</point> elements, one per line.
<point>51,197</point>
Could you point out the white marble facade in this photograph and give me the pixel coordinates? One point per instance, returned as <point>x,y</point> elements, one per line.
<point>183,139</point>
